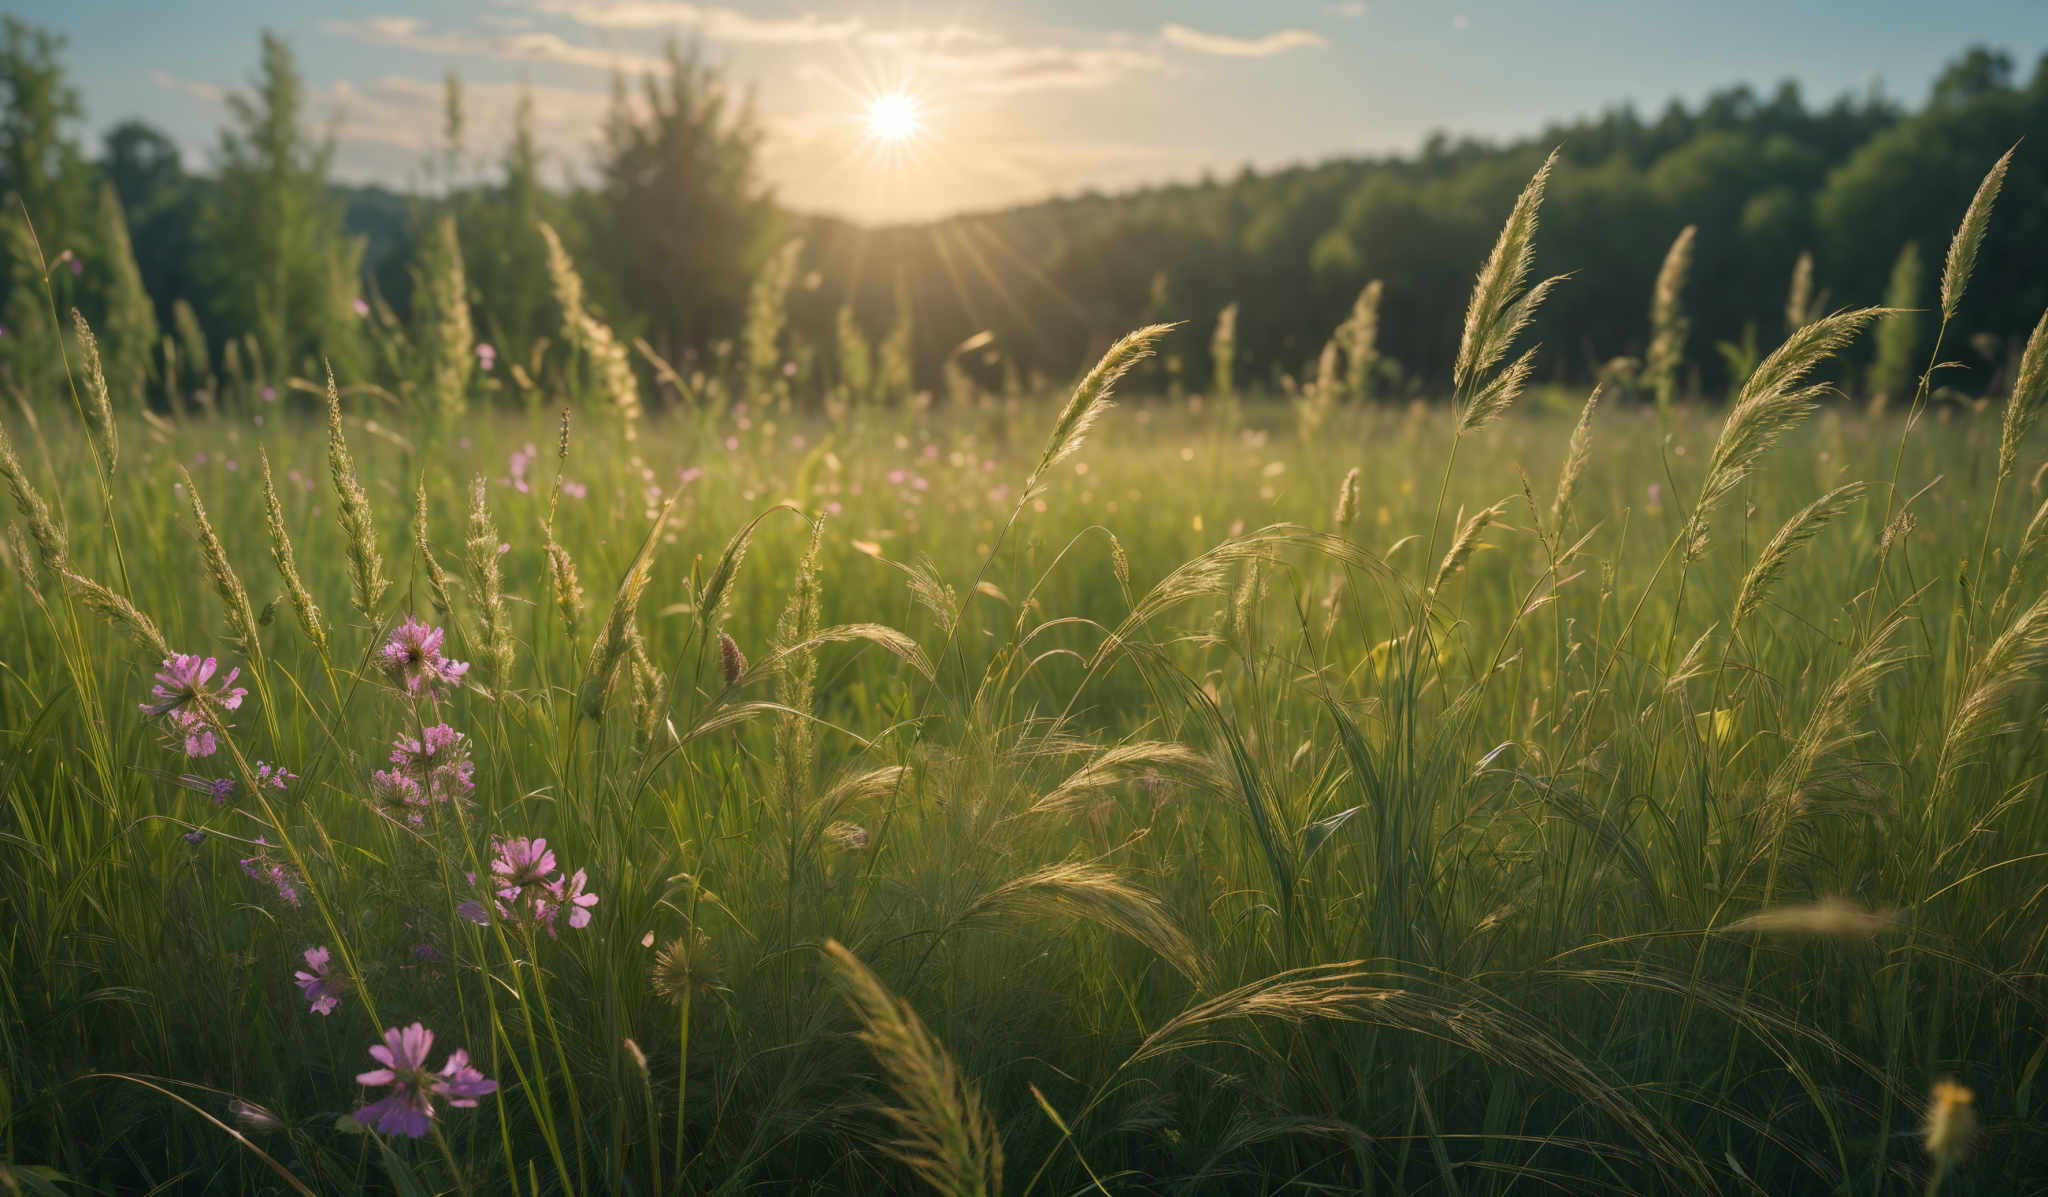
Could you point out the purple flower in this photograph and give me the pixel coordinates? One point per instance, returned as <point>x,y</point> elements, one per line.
<point>425,953</point>
<point>194,837</point>
<point>77,267</point>
<point>409,1108</point>
<point>412,659</point>
<point>575,490</point>
<point>526,887</point>
<point>570,896</point>
<point>433,768</point>
<point>270,394</point>
<point>274,776</point>
<point>189,703</point>
<point>486,356</point>
<point>439,760</point>
<point>323,988</point>
<point>220,789</point>
<point>261,868</point>
<point>362,306</point>
<point>522,862</point>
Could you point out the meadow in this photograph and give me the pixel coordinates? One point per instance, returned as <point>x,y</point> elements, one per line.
<point>1514,792</point>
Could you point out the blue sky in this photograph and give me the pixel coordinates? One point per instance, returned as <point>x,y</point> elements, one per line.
<point>1015,100</point>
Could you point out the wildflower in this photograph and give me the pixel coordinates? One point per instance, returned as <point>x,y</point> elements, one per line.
<point>522,862</point>
<point>362,306</point>
<point>322,987</point>
<point>1654,494</point>
<point>575,490</point>
<point>261,868</point>
<point>486,356</point>
<point>527,887</point>
<point>220,789</point>
<point>517,465</point>
<point>194,837</point>
<point>412,659</point>
<point>433,768</point>
<point>270,394</point>
<point>1951,1119</point>
<point>425,953</point>
<point>189,703</point>
<point>77,267</point>
<point>409,1108</point>
<point>570,896</point>
<point>274,776</point>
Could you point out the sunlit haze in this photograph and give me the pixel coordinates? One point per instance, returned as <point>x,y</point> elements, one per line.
<point>1043,99</point>
<point>893,117</point>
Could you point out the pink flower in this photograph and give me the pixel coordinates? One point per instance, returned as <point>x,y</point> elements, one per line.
<point>486,356</point>
<point>433,768</point>
<point>412,659</point>
<point>571,897</point>
<point>409,1108</point>
<point>522,862</point>
<point>526,887</point>
<point>261,868</point>
<point>188,702</point>
<point>362,306</point>
<point>322,987</point>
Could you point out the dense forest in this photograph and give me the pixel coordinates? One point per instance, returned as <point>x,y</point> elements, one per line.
<point>259,264</point>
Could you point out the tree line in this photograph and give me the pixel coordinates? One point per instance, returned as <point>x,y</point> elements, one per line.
<point>1693,238</point>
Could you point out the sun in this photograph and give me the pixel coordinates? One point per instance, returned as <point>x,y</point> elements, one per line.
<point>892,117</point>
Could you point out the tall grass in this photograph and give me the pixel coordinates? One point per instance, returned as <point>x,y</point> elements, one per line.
<point>1041,799</point>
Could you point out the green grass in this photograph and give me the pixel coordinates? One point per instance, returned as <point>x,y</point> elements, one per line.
<point>1177,826</point>
<point>1522,837</point>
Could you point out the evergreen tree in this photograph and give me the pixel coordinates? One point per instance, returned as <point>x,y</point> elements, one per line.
<point>43,184</point>
<point>272,243</point>
<point>687,221</point>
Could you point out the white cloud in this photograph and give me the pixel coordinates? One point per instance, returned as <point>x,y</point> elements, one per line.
<point>713,21</point>
<point>212,93</point>
<point>1346,8</point>
<point>1278,42</point>
<point>1000,69</point>
<point>408,33</point>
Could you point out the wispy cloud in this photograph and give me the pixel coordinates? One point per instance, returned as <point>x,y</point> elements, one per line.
<point>211,93</point>
<point>1004,69</point>
<point>713,21</point>
<point>1277,42</point>
<point>1346,8</point>
<point>409,33</point>
<point>385,126</point>
<point>969,60</point>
